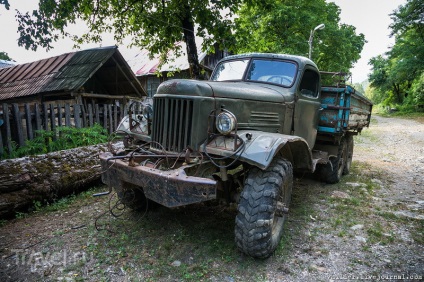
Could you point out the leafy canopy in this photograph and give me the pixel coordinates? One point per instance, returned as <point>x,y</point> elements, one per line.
<point>5,56</point>
<point>285,26</point>
<point>398,75</point>
<point>156,25</point>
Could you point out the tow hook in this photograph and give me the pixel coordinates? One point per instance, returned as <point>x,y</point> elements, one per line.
<point>281,209</point>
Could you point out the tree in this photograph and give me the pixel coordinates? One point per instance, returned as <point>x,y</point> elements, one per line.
<point>383,79</point>
<point>5,56</point>
<point>157,25</point>
<point>284,27</point>
<point>5,3</point>
<point>399,73</point>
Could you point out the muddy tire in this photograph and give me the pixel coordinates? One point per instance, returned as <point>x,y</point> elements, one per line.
<point>332,172</point>
<point>263,208</point>
<point>133,197</point>
<point>349,154</point>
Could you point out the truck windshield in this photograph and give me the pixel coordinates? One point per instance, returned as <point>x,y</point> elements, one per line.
<point>231,70</point>
<point>261,70</point>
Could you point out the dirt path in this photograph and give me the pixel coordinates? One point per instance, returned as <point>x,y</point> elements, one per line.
<point>372,225</point>
<point>369,226</point>
<point>396,146</point>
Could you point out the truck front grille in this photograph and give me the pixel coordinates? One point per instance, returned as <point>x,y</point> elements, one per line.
<point>172,124</point>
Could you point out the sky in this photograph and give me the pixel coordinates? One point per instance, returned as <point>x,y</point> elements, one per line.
<point>370,17</point>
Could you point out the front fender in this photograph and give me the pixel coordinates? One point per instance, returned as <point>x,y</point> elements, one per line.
<point>261,148</point>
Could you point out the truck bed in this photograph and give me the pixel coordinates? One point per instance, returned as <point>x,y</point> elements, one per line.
<point>343,109</point>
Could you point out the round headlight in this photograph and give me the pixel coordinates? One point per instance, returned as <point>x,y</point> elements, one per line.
<point>148,112</point>
<point>226,122</point>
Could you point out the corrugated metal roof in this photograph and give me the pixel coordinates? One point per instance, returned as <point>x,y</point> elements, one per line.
<point>67,73</point>
<point>81,66</point>
<point>30,78</point>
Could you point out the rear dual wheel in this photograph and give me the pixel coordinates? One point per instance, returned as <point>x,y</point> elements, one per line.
<point>338,165</point>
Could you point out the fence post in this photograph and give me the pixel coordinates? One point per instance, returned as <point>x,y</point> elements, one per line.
<point>97,112</point>
<point>7,125</point>
<point>90,115</point>
<point>105,116</point>
<point>115,116</point>
<point>28,118</point>
<point>45,117</point>
<point>59,115</point>
<point>18,123</point>
<point>77,117</point>
<point>53,121</point>
<point>83,116</point>
<point>110,119</point>
<point>37,117</point>
<point>67,114</point>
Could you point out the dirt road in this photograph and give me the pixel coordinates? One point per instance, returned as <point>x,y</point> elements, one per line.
<point>369,226</point>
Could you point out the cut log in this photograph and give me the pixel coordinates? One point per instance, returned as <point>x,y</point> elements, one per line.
<point>48,177</point>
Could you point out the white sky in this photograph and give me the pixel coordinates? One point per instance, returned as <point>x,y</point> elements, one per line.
<point>370,17</point>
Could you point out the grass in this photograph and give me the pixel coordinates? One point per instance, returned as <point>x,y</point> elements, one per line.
<point>196,243</point>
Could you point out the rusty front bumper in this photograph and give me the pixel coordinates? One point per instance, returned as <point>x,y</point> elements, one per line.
<point>169,188</point>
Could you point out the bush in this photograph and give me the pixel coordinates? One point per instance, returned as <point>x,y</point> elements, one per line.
<point>62,138</point>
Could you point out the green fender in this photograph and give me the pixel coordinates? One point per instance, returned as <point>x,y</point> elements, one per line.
<point>261,148</point>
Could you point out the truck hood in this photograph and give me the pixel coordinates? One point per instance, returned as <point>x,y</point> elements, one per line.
<point>232,90</point>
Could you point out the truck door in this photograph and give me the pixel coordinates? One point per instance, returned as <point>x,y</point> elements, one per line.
<point>305,121</point>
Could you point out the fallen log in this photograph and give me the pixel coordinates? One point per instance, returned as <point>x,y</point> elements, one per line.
<point>48,177</point>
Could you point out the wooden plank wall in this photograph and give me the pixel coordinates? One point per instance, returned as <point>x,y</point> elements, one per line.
<point>21,121</point>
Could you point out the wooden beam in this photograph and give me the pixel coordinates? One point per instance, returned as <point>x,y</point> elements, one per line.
<point>130,81</point>
<point>103,96</point>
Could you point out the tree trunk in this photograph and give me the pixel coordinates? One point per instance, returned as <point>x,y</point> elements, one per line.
<point>48,177</point>
<point>189,39</point>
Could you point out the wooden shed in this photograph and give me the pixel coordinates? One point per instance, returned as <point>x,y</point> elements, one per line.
<point>99,74</point>
<point>74,89</point>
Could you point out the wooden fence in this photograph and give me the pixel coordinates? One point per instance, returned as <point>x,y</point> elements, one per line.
<point>21,121</point>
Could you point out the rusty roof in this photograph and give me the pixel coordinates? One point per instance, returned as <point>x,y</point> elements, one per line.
<point>68,73</point>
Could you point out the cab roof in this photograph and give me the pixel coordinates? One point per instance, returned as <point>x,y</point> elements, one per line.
<point>300,60</point>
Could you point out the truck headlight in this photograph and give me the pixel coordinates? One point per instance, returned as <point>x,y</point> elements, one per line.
<point>148,112</point>
<point>226,122</point>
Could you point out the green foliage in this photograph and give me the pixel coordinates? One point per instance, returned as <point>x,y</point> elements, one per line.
<point>5,56</point>
<point>155,25</point>
<point>417,91</point>
<point>397,76</point>
<point>5,3</point>
<point>285,26</point>
<point>62,139</point>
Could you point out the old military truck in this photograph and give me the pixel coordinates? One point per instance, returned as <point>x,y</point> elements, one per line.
<point>238,136</point>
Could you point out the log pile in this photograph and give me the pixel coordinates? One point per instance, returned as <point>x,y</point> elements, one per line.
<point>48,177</point>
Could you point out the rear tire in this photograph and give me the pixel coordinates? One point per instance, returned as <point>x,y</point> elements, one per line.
<point>263,208</point>
<point>332,172</point>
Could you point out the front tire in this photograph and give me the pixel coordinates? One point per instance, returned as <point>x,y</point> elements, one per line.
<point>133,197</point>
<point>263,208</point>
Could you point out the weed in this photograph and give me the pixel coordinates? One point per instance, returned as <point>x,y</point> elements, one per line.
<point>377,234</point>
<point>417,233</point>
<point>3,222</point>
<point>20,215</point>
<point>62,138</point>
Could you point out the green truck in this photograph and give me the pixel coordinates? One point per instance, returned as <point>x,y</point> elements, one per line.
<point>238,136</point>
